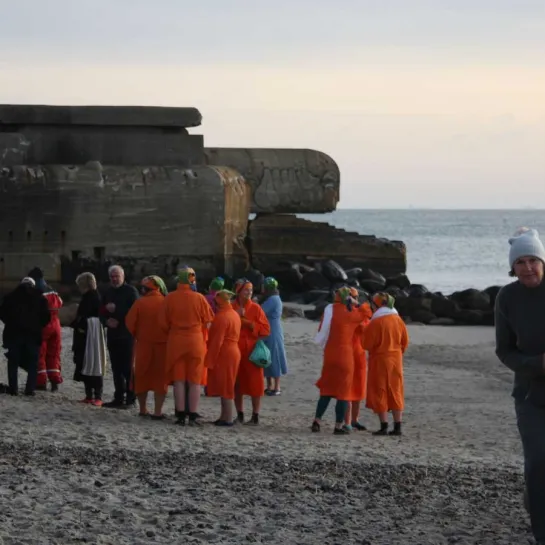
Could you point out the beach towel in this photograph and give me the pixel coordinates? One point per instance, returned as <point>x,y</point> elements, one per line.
<point>94,360</point>
<point>323,332</point>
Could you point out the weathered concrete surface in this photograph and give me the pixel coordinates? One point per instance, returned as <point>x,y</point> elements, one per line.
<point>112,145</point>
<point>276,238</point>
<point>103,116</point>
<point>149,219</point>
<point>13,149</point>
<point>284,180</point>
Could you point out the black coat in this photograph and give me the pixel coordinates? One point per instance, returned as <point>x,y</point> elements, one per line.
<point>25,313</point>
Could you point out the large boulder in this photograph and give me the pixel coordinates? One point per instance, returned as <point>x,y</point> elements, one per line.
<point>332,271</point>
<point>400,281</point>
<point>471,299</point>
<point>313,280</point>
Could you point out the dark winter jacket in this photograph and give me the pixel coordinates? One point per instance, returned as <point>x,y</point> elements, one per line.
<point>123,299</point>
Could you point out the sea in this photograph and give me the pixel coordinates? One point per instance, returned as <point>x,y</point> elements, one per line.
<point>447,250</point>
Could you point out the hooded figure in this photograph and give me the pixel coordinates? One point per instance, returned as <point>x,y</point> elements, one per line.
<point>223,355</point>
<point>216,285</point>
<point>49,362</point>
<point>151,341</point>
<point>386,339</point>
<point>25,313</point>
<point>184,316</point>
<point>272,306</point>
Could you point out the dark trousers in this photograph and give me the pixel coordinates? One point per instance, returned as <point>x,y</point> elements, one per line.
<point>93,387</point>
<point>121,358</point>
<point>23,353</point>
<point>531,425</point>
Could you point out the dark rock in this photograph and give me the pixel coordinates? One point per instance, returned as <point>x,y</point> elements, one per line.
<point>353,273</point>
<point>492,293</point>
<point>418,290</point>
<point>319,308</point>
<point>317,296</point>
<point>292,311</point>
<point>469,317</point>
<point>488,317</point>
<point>443,321</point>
<point>289,276</point>
<point>399,281</point>
<point>423,316</point>
<point>408,306</point>
<point>353,283</point>
<point>369,274</point>
<point>313,280</point>
<point>256,278</point>
<point>472,299</point>
<point>333,271</point>
<point>372,286</point>
<point>443,307</point>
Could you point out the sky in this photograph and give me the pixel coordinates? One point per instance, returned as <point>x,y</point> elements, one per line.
<point>422,103</point>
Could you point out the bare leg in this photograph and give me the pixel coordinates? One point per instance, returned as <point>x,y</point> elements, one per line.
<point>239,403</point>
<point>347,414</point>
<point>269,383</point>
<point>142,401</point>
<point>277,384</point>
<point>159,401</point>
<point>383,417</point>
<point>226,410</point>
<point>397,415</point>
<point>179,396</point>
<point>356,410</point>
<point>194,397</point>
<point>256,404</point>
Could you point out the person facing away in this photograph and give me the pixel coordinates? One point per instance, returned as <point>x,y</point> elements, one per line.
<point>216,285</point>
<point>116,303</point>
<point>88,341</point>
<point>223,355</point>
<point>520,346</point>
<point>255,326</point>
<point>49,362</point>
<point>359,382</point>
<point>184,315</point>
<point>272,306</point>
<point>151,342</point>
<point>386,339</point>
<point>25,314</point>
<point>338,325</point>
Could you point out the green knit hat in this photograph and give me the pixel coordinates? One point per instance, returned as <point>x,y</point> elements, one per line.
<point>217,284</point>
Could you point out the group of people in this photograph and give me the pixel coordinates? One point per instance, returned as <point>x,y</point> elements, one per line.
<point>192,341</point>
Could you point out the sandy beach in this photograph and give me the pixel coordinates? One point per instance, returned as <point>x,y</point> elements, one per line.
<point>77,474</point>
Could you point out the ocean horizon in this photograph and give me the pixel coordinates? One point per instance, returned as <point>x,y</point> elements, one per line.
<point>447,249</point>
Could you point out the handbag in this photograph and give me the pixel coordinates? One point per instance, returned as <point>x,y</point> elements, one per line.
<point>261,355</point>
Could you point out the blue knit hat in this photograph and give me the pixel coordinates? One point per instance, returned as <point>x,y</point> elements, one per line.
<point>525,242</point>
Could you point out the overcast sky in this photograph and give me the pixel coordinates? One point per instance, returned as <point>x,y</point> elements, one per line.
<point>423,103</point>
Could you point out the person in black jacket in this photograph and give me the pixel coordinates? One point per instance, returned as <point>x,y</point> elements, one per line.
<point>89,307</point>
<point>116,302</point>
<point>25,313</point>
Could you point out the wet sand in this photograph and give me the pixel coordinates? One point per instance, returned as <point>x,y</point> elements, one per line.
<point>77,474</point>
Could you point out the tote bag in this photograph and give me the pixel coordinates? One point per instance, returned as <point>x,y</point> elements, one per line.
<point>261,355</point>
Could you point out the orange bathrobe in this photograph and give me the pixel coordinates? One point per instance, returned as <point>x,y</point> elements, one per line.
<point>359,382</point>
<point>338,367</point>
<point>204,376</point>
<point>386,339</point>
<point>250,379</point>
<point>183,317</point>
<point>223,355</point>
<point>150,349</point>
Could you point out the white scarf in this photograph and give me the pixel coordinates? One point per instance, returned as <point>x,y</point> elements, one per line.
<point>94,360</point>
<point>323,333</point>
<point>384,311</point>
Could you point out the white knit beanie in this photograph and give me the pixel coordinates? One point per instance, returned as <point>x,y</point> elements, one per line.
<point>28,280</point>
<point>525,242</point>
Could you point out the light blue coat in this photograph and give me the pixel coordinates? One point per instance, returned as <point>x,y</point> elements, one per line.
<point>275,341</point>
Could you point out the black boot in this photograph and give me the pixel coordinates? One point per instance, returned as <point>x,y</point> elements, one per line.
<point>397,429</point>
<point>254,421</point>
<point>240,417</point>
<point>193,419</point>
<point>54,387</point>
<point>180,418</point>
<point>383,429</point>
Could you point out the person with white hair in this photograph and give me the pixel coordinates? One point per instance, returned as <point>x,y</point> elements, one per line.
<point>25,313</point>
<point>116,303</point>
<point>520,346</point>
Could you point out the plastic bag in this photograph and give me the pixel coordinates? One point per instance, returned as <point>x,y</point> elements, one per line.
<point>261,355</point>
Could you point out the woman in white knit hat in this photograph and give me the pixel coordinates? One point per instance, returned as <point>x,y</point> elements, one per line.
<point>520,345</point>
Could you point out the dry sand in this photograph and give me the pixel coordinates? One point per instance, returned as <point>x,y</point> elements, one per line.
<point>76,474</point>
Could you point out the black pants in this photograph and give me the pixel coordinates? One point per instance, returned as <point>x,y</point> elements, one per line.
<point>93,387</point>
<point>23,353</point>
<point>121,357</point>
<point>531,425</point>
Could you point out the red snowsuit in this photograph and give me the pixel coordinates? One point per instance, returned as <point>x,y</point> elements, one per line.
<point>49,364</point>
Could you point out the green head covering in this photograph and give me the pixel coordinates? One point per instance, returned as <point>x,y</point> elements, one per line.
<point>153,281</point>
<point>224,296</point>
<point>217,284</point>
<point>342,295</point>
<point>186,275</point>
<point>383,299</point>
<point>270,284</point>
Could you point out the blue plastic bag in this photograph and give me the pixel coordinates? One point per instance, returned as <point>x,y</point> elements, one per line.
<point>261,355</point>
